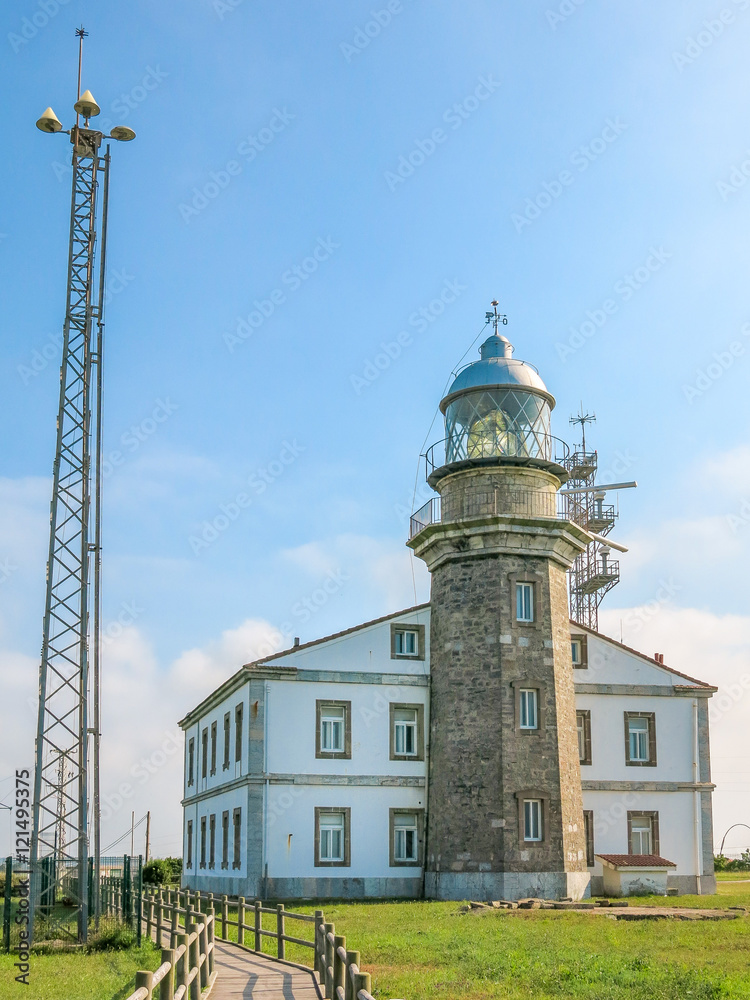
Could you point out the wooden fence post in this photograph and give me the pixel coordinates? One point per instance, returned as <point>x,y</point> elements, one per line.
<point>183,963</point>
<point>352,958</point>
<point>280,942</point>
<point>149,914</point>
<point>198,901</point>
<point>330,930</point>
<point>241,920</point>
<point>224,916</point>
<point>361,982</point>
<point>317,963</point>
<point>339,968</point>
<point>211,932</point>
<point>166,987</point>
<point>174,922</point>
<point>194,949</point>
<point>145,979</point>
<point>159,918</point>
<point>203,950</point>
<point>258,925</point>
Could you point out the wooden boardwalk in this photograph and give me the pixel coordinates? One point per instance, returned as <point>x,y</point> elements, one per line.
<point>242,974</point>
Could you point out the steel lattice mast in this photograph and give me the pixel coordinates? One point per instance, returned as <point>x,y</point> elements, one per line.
<point>60,812</point>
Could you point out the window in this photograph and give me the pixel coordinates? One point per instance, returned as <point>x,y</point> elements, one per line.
<point>213,748</point>
<point>225,840</point>
<point>643,832</point>
<point>204,753</point>
<point>332,722</point>
<point>227,723</point>
<point>579,651</point>
<point>640,739</point>
<point>203,841</point>
<point>407,732</point>
<point>189,844</point>
<point>583,727</point>
<point>407,642</point>
<point>237,824</point>
<point>191,761</point>
<point>332,848</point>
<point>212,841</point>
<point>525,602</point>
<point>238,733</point>
<point>333,730</point>
<point>406,837</point>
<point>588,829</point>
<point>532,820</point>
<point>528,708</point>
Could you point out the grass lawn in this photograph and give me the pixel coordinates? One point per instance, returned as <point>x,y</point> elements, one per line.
<point>99,976</point>
<point>420,950</point>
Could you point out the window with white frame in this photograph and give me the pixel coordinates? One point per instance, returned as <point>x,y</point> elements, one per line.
<point>405,731</point>
<point>331,831</point>
<point>638,740</point>
<point>528,708</point>
<point>191,760</point>
<point>405,845</point>
<point>525,602</point>
<point>576,651</point>
<point>189,862</point>
<point>532,820</point>
<point>641,835</point>
<point>583,729</point>
<point>406,642</point>
<point>332,728</point>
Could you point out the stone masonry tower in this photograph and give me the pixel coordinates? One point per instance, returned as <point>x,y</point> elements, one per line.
<point>505,817</point>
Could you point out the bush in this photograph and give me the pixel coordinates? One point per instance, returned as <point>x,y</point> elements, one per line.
<point>724,864</point>
<point>162,871</point>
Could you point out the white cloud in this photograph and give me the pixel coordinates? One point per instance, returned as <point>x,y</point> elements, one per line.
<point>715,649</point>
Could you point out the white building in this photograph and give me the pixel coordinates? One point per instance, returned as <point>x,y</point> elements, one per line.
<point>305,773</point>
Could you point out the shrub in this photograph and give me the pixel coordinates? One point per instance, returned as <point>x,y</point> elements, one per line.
<point>162,871</point>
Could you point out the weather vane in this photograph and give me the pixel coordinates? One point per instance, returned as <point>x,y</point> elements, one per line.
<point>495,317</point>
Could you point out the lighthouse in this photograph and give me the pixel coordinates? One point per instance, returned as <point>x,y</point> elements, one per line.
<point>505,813</point>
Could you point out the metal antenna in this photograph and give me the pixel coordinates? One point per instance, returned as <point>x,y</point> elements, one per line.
<point>583,419</point>
<point>495,317</point>
<point>60,812</point>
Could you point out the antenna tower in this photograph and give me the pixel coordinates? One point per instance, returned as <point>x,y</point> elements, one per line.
<point>67,744</point>
<point>593,574</point>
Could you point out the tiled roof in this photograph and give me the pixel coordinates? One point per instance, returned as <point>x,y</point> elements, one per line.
<point>637,860</point>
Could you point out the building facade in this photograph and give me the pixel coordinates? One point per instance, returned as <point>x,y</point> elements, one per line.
<point>479,746</point>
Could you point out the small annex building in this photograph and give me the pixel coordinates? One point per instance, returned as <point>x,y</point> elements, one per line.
<point>490,744</point>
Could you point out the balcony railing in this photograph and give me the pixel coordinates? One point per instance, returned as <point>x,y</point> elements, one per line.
<point>519,446</point>
<point>473,503</point>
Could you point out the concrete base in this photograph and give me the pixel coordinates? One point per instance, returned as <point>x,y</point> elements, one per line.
<point>700,885</point>
<point>319,887</point>
<point>506,885</point>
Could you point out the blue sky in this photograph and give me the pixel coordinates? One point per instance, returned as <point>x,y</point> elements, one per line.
<point>304,237</point>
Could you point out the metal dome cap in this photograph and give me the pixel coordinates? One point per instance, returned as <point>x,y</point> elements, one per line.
<point>497,368</point>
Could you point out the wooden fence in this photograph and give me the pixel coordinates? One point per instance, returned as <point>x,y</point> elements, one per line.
<point>189,960</point>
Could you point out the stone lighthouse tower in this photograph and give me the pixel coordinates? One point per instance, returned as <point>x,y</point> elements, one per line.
<point>505,817</point>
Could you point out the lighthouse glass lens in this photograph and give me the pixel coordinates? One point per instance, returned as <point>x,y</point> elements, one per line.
<point>490,423</point>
